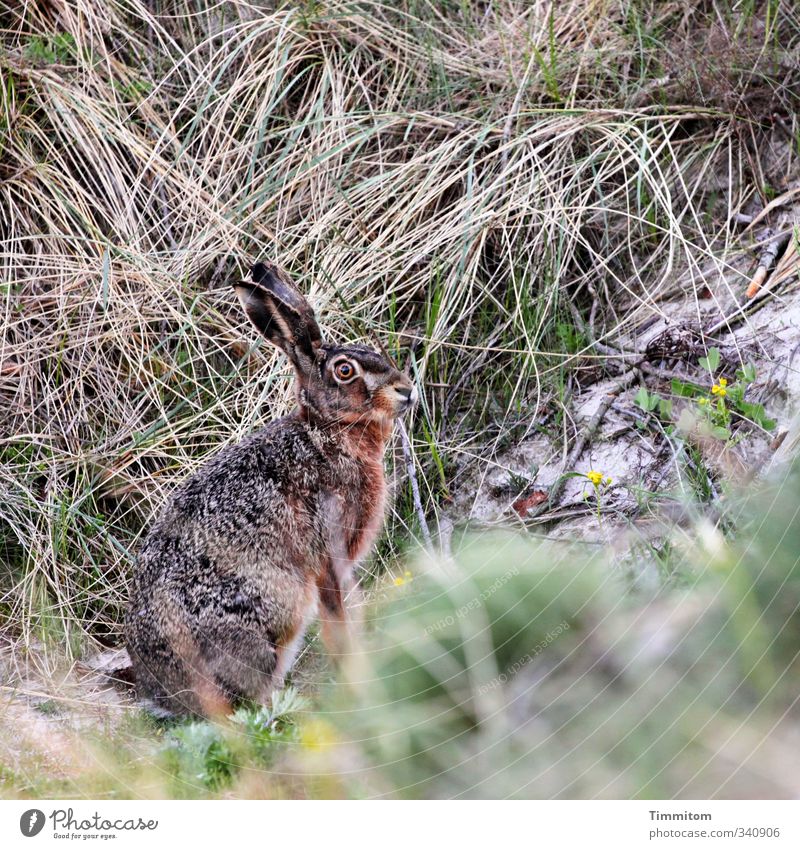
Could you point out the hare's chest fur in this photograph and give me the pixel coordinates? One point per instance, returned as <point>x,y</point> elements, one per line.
<point>353,502</point>
<point>363,510</point>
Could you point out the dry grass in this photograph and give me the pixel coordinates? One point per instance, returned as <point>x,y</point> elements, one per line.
<point>444,176</point>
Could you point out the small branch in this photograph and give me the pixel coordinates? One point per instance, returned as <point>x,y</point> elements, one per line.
<point>662,373</point>
<point>412,476</point>
<point>768,257</point>
<point>619,356</point>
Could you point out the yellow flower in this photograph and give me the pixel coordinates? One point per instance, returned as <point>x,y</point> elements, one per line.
<point>595,477</point>
<point>317,734</point>
<point>722,382</point>
<point>702,402</point>
<point>407,574</point>
<point>716,389</point>
<point>398,582</point>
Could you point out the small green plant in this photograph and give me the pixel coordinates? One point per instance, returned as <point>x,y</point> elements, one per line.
<point>650,402</point>
<point>716,411</point>
<point>570,339</point>
<point>600,484</point>
<point>725,400</point>
<point>198,752</point>
<point>135,90</point>
<point>51,49</point>
<point>48,707</point>
<point>213,754</point>
<point>711,362</point>
<point>717,407</point>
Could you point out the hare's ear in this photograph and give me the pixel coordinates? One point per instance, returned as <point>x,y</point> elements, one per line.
<point>281,314</point>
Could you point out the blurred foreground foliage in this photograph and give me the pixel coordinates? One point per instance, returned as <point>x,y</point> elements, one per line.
<point>518,668</point>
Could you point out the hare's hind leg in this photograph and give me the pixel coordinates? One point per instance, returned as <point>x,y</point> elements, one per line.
<point>171,678</point>
<point>218,640</point>
<point>241,658</point>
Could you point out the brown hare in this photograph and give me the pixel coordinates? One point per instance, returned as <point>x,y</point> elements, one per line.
<point>265,537</point>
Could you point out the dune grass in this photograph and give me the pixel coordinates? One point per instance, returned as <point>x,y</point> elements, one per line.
<point>454,179</point>
<point>444,177</point>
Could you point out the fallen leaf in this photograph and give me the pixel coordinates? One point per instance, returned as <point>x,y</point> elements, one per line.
<point>533,499</point>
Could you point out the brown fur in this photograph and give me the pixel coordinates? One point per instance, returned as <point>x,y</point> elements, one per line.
<point>267,535</point>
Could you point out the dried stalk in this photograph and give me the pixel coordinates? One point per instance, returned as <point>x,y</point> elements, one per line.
<point>412,476</point>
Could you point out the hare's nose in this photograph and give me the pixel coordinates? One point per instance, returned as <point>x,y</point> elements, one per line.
<point>408,394</point>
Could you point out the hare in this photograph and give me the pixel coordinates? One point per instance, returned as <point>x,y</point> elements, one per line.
<point>265,537</point>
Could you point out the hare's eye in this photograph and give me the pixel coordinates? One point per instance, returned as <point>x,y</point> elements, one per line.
<point>344,371</point>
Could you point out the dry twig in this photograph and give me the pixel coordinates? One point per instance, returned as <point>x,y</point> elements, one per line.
<point>774,245</point>
<point>412,476</point>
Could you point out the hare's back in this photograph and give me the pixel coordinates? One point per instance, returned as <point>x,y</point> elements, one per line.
<point>252,505</point>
